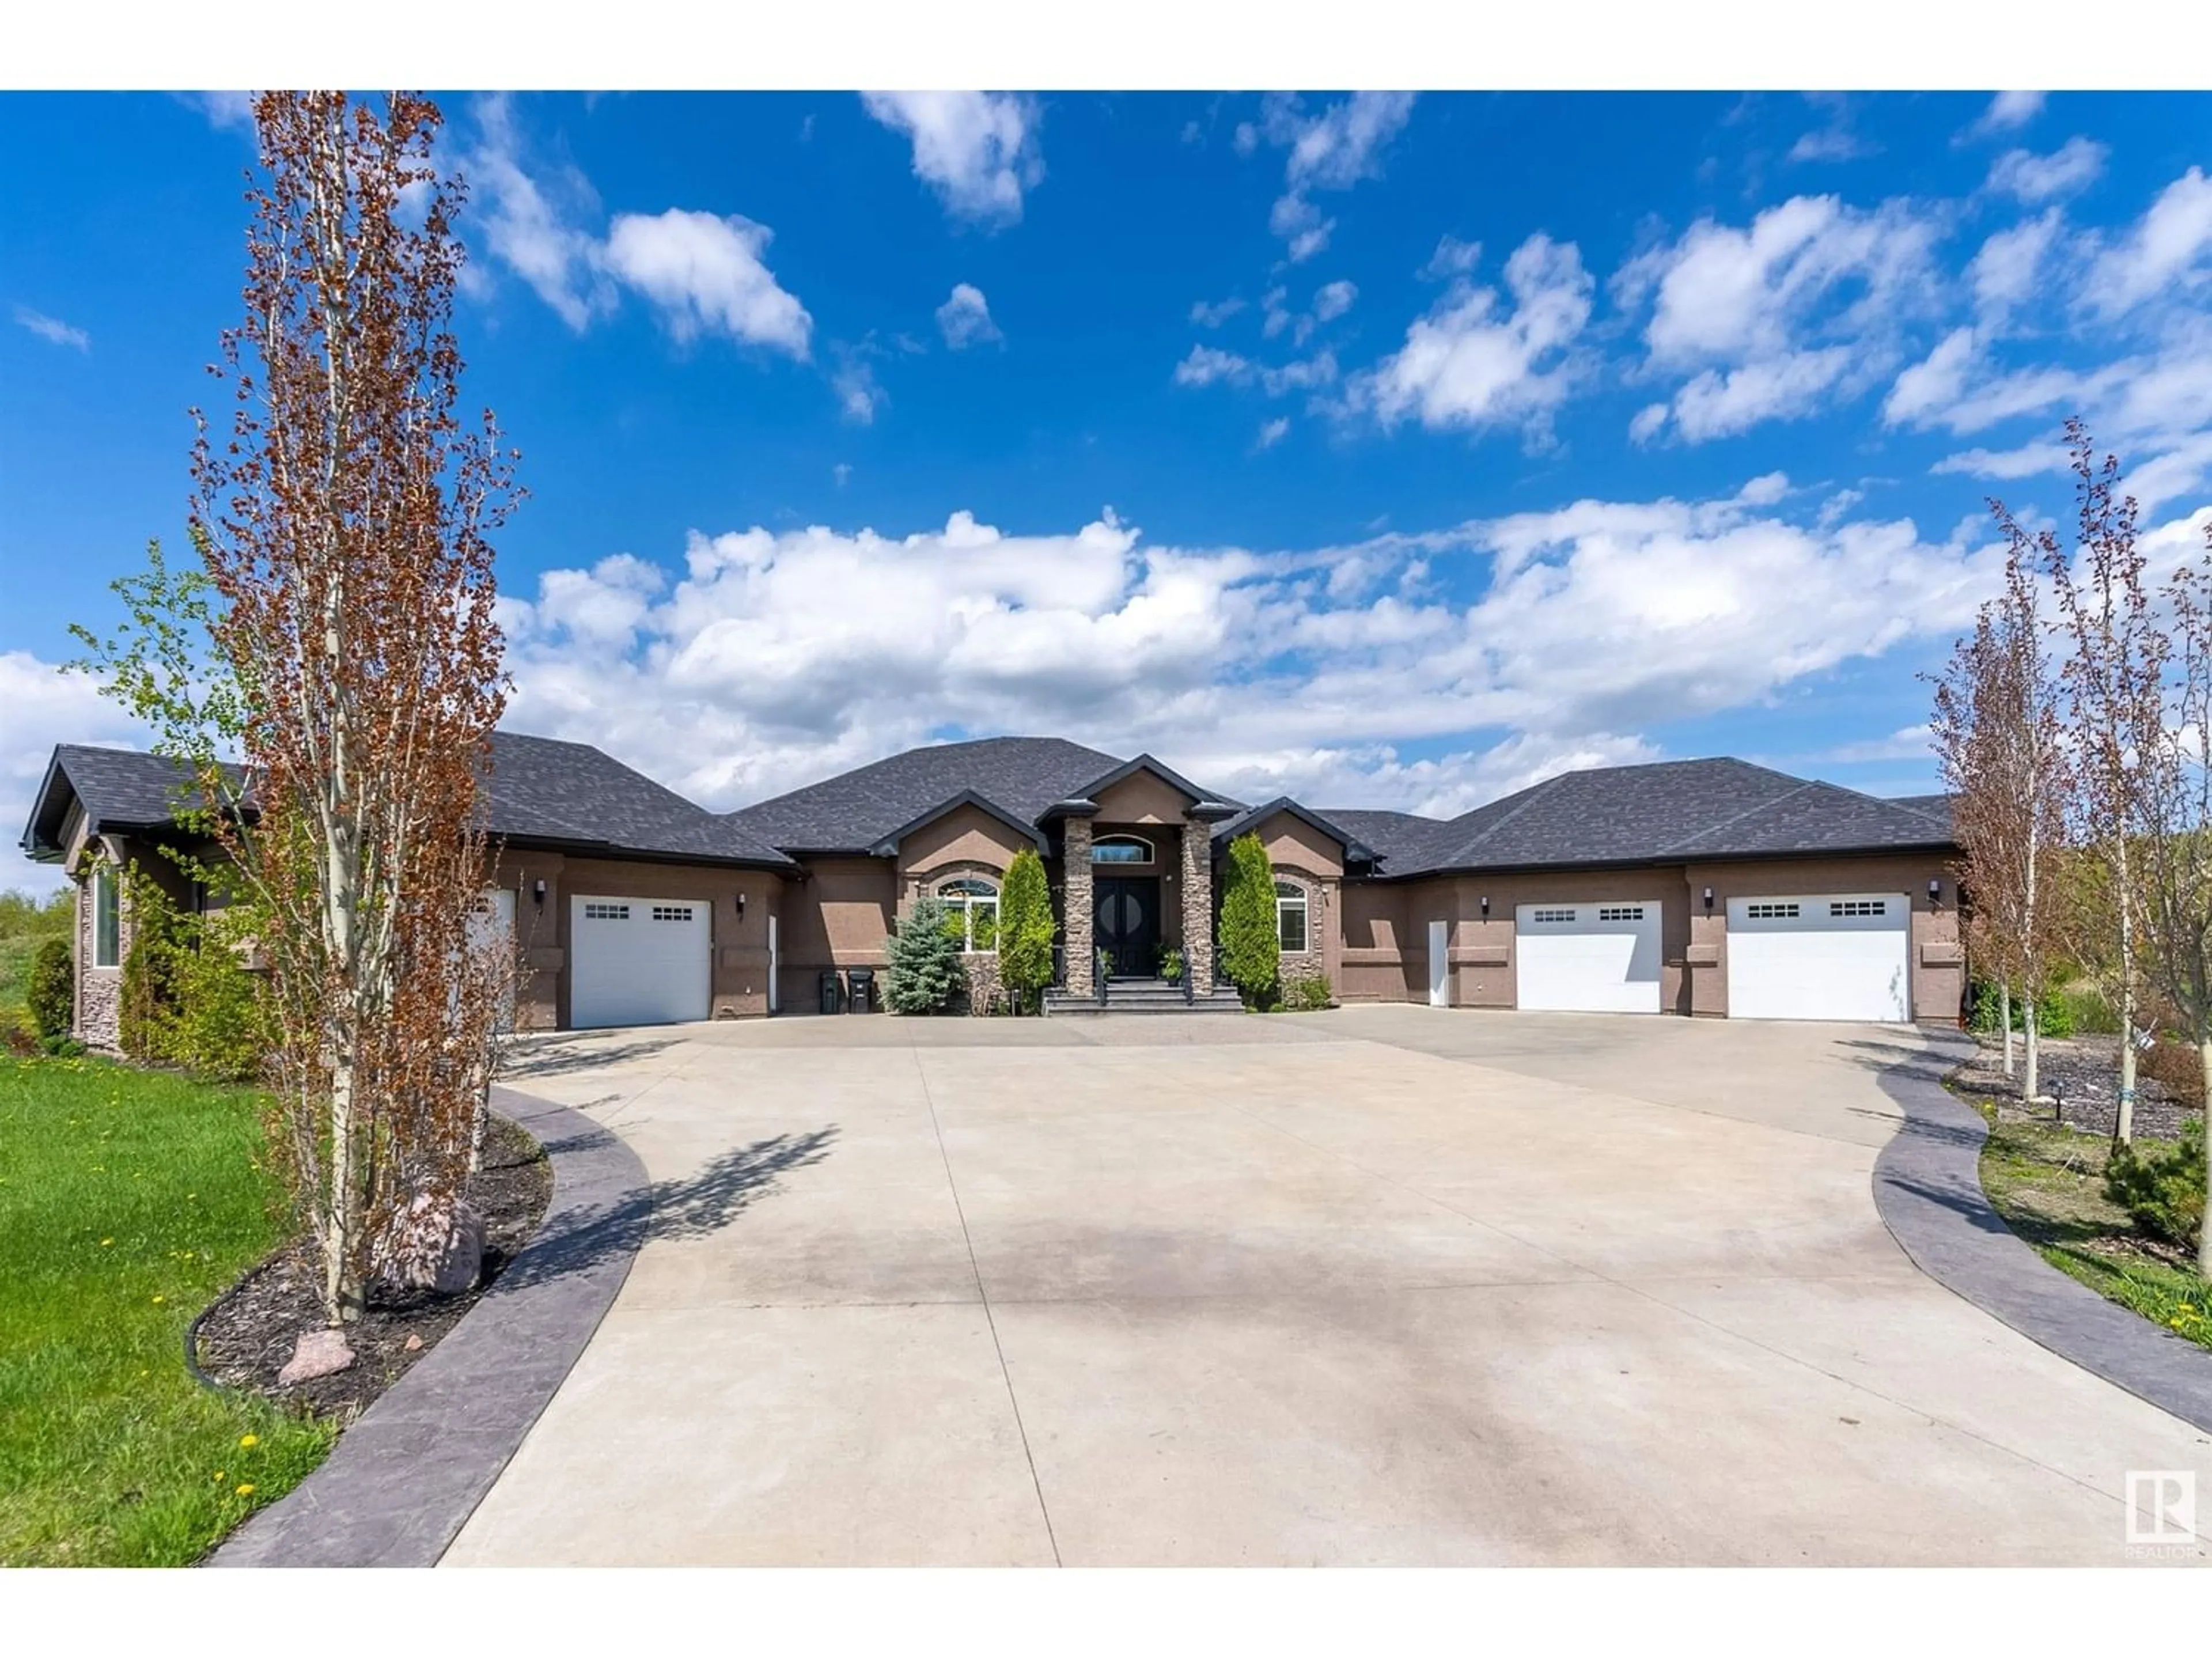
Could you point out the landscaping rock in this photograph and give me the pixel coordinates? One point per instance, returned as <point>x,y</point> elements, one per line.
<point>422,1252</point>
<point>317,1353</point>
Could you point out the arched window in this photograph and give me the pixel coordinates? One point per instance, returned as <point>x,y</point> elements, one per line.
<point>974,904</point>
<point>1290,916</point>
<point>1121,849</point>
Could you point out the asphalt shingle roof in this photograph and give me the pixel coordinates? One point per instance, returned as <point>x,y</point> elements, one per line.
<point>1702,809</point>
<point>855,811</point>
<point>543,789</point>
<point>1396,838</point>
<point>570,793</point>
<point>540,789</point>
<point>1936,806</point>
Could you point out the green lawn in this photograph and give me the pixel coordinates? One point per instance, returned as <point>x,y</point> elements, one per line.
<point>2048,1184</point>
<point>128,1201</point>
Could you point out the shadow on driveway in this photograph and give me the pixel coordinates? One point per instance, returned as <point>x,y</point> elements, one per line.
<point>573,1051</point>
<point>691,1207</point>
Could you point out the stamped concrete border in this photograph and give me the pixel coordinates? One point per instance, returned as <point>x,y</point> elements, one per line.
<point>1928,1187</point>
<point>405,1478</point>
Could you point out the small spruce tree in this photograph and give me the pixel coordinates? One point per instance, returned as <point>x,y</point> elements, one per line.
<point>1251,949</point>
<point>1025,928</point>
<point>925,960</point>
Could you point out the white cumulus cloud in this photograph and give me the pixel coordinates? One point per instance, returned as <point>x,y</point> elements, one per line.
<point>704,273</point>
<point>964,319</point>
<point>1332,150</point>
<point>1481,358</point>
<point>978,150</point>
<point>2168,250</point>
<point>2073,166</point>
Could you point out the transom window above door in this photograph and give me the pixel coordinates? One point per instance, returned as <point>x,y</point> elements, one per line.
<point>974,906</point>
<point>1121,849</point>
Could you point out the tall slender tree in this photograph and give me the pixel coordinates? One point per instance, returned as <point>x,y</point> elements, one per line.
<point>2114,671</point>
<point>1998,737</point>
<point>345,605</point>
<point>2171,740</point>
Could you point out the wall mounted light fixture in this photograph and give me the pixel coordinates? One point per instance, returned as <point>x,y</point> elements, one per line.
<point>1934,891</point>
<point>1485,907</point>
<point>537,892</point>
<point>741,906</point>
<point>1709,898</point>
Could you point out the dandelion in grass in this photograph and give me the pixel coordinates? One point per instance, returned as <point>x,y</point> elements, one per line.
<point>246,1489</point>
<point>249,1441</point>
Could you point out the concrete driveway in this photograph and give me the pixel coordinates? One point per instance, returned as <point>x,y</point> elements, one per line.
<point>1381,1285</point>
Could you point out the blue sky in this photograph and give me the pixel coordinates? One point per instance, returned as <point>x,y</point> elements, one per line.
<point>1391,451</point>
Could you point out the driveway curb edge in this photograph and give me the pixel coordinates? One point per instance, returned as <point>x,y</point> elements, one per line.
<point>1928,1189</point>
<point>404,1478</point>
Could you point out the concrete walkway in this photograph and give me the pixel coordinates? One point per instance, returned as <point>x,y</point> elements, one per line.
<point>1387,1284</point>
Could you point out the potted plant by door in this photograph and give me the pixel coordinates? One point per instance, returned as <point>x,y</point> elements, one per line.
<point>1171,965</point>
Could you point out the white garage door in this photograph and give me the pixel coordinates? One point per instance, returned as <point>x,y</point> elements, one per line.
<point>637,961</point>
<point>1597,958</point>
<point>1829,956</point>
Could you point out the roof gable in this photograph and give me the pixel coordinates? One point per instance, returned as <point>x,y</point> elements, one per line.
<point>539,789</point>
<point>1355,850</point>
<point>889,846</point>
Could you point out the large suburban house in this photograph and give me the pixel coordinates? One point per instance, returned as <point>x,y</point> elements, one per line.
<point>1704,887</point>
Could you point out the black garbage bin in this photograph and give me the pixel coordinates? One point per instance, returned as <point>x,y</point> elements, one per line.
<point>832,1000</point>
<point>863,983</point>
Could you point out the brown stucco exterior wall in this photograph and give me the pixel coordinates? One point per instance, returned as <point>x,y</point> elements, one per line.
<point>1140,798</point>
<point>1372,943</point>
<point>839,917</point>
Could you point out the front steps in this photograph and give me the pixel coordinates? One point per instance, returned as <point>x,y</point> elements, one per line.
<point>1145,996</point>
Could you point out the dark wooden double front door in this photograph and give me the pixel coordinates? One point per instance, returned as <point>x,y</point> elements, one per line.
<point>1126,920</point>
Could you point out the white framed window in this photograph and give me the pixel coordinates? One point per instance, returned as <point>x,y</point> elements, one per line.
<point>1621,913</point>
<point>1772,912</point>
<point>1290,916</point>
<point>672,913</point>
<point>1552,915</point>
<point>975,902</point>
<point>606,913</point>
<point>106,919</point>
<point>1858,907</point>
<point>1121,849</point>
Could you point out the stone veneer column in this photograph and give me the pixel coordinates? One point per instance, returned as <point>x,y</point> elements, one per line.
<point>1198,905</point>
<point>1076,908</point>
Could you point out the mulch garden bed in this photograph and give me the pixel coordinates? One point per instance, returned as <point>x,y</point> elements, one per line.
<point>246,1337</point>
<point>2081,1077</point>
